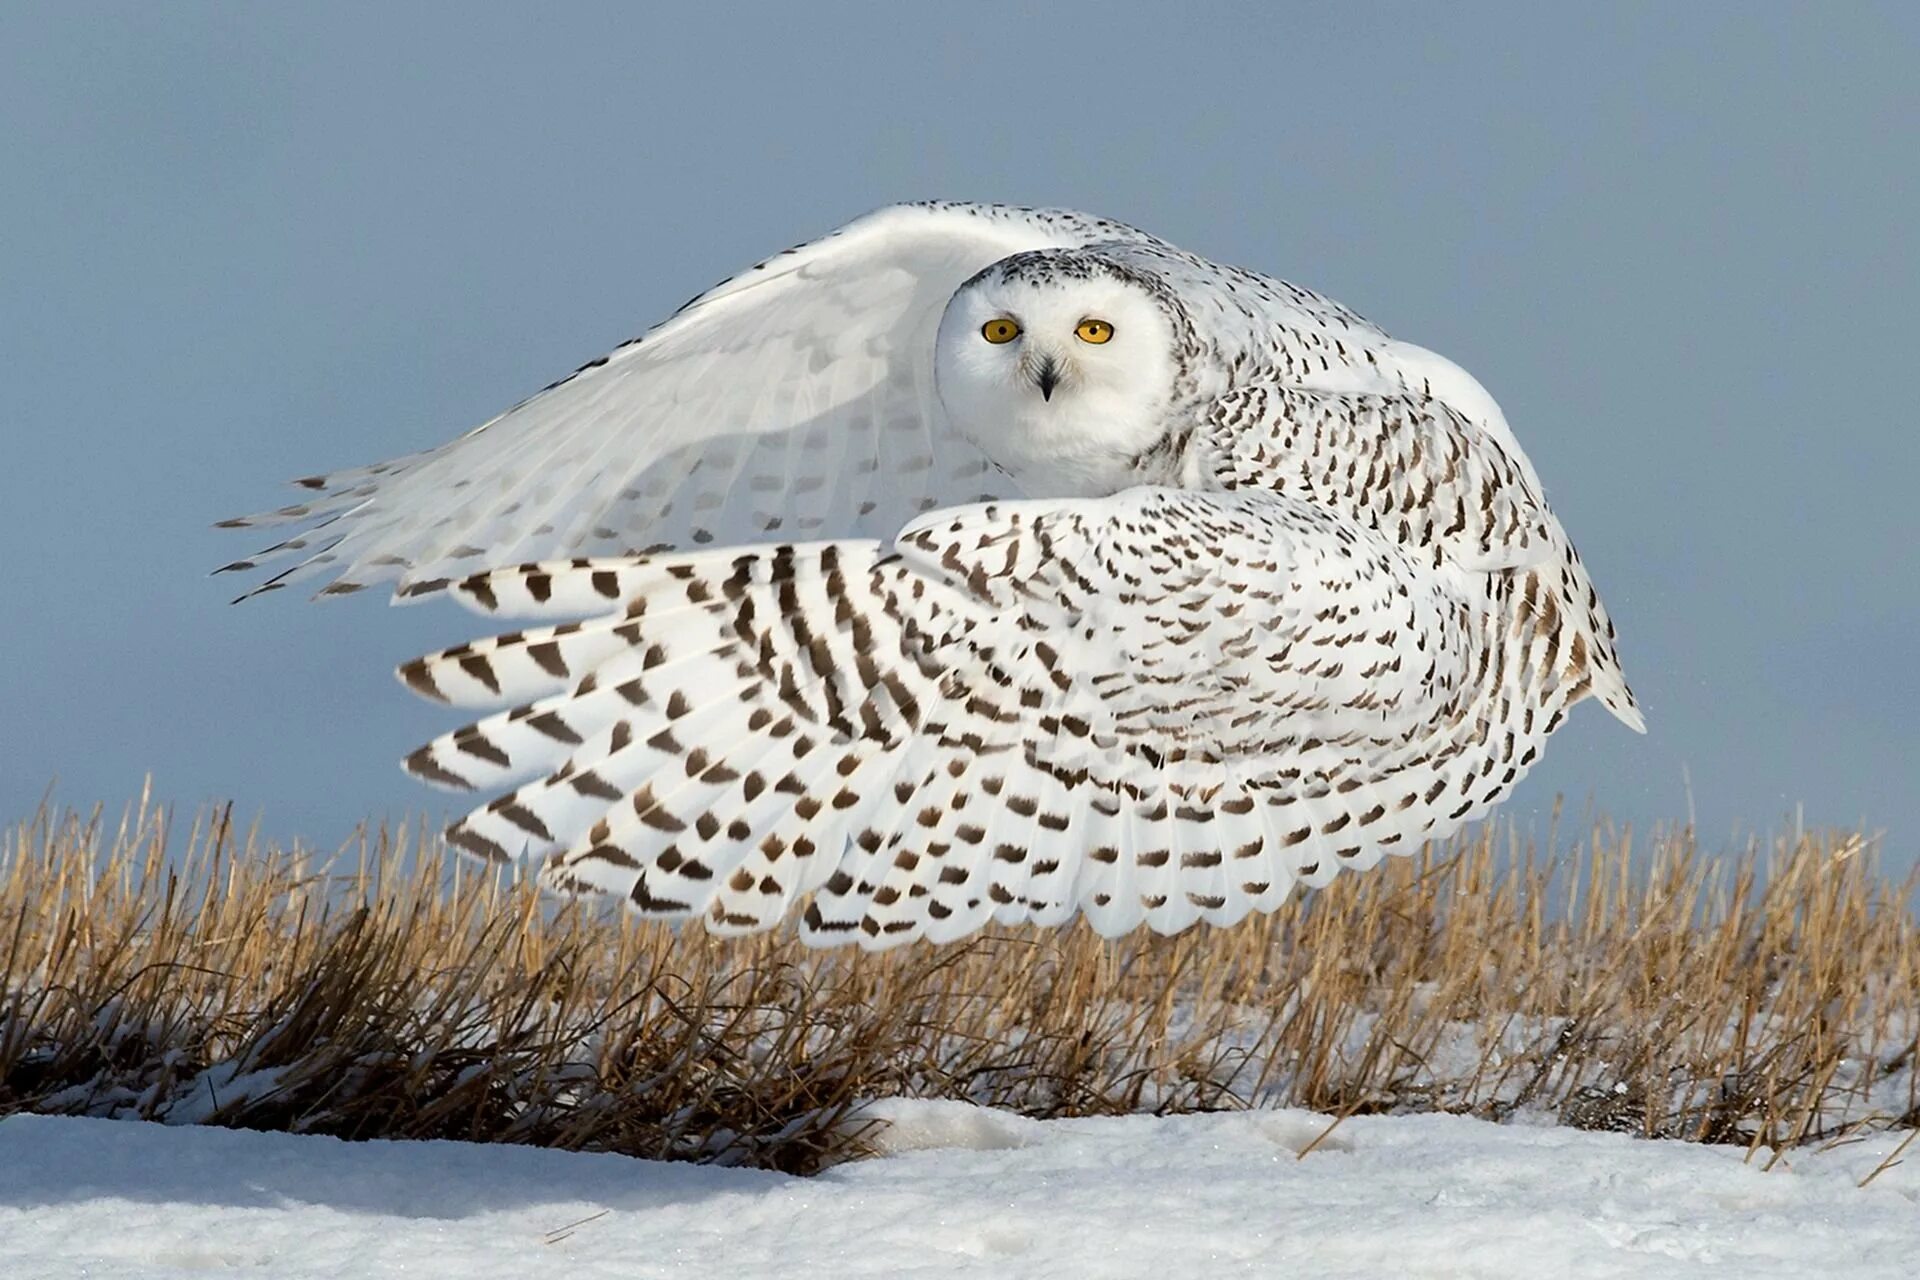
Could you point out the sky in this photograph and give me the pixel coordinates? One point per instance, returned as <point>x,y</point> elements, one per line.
<point>241,243</point>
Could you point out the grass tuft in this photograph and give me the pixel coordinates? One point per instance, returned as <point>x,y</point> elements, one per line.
<point>1770,999</point>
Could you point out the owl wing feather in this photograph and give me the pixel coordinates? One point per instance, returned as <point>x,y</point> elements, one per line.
<point>794,400</point>
<point>1128,706</point>
<point>1416,468</point>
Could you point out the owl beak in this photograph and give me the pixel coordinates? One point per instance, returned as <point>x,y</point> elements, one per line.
<point>1047,378</point>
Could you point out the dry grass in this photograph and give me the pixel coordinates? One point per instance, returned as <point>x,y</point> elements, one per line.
<point>1770,998</point>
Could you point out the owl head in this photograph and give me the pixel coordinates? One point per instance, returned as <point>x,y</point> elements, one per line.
<point>1059,364</point>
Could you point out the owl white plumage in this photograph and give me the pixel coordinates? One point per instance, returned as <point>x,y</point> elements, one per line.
<point>977,562</point>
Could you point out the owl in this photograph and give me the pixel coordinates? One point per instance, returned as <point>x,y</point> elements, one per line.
<point>977,563</point>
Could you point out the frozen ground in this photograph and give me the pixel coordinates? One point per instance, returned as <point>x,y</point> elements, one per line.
<point>963,1192</point>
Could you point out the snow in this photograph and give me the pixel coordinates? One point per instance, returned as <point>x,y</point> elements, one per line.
<point>960,1191</point>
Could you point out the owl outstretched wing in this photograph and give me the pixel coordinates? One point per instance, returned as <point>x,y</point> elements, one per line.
<point>1158,707</point>
<point>795,400</point>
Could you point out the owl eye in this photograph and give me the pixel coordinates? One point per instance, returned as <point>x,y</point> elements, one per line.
<point>1094,331</point>
<point>1000,331</point>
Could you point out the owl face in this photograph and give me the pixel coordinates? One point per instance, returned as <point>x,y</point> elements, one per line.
<point>1059,370</point>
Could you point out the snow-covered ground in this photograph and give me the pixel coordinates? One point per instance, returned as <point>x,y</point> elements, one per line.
<point>961,1192</point>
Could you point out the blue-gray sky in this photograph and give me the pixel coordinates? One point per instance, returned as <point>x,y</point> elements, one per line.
<point>242,243</point>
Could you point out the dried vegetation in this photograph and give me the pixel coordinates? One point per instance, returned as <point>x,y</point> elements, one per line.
<point>1769,998</point>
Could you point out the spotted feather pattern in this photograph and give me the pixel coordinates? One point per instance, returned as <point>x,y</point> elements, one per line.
<point>1160,708</point>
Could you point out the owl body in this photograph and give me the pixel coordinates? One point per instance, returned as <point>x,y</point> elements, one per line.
<point>978,563</point>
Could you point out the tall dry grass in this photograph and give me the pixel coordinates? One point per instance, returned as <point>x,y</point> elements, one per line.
<point>1770,998</point>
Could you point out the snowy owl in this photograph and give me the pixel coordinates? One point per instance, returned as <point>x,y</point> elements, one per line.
<point>979,563</point>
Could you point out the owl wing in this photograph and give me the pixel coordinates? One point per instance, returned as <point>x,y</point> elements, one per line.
<point>1158,707</point>
<point>1415,468</point>
<point>794,400</point>
<point>1409,465</point>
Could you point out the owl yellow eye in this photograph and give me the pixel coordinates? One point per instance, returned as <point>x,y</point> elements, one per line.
<point>1000,331</point>
<point>1094,331</point>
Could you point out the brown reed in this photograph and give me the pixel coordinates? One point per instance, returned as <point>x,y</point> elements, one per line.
<point>1770,998</point>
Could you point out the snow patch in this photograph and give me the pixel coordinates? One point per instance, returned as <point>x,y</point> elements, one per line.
<point>223,1086</point>
<point>891,1126</point>
<point>972,1193</point>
